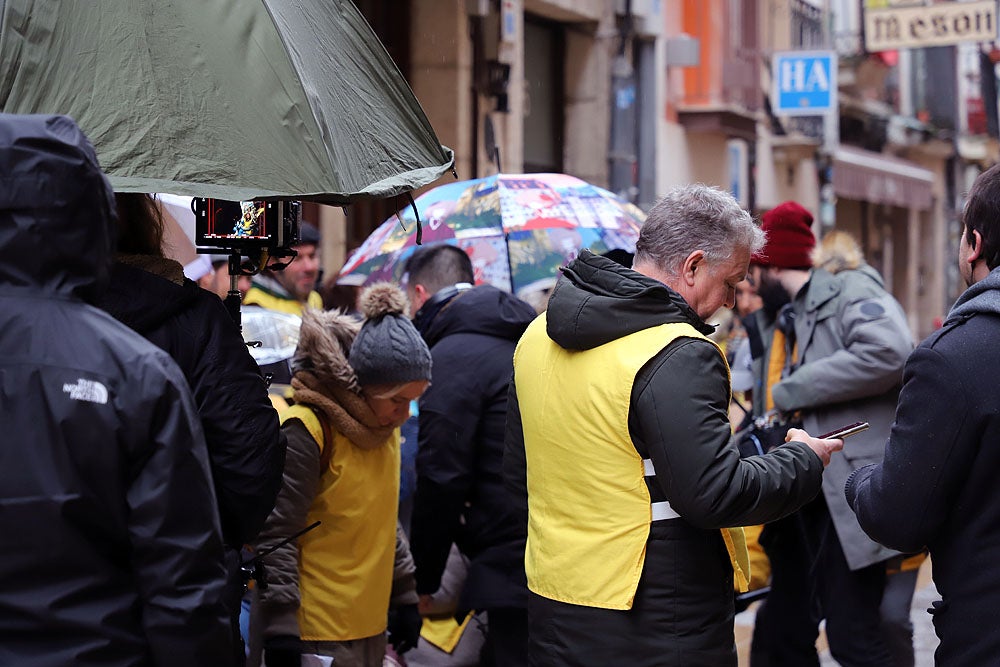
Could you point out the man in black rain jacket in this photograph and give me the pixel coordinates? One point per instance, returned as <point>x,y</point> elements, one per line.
<point>460,496</point>
<point>110,547</point>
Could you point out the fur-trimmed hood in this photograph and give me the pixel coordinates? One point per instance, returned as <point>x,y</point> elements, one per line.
<point>838,251</point>
<point>324,347</point>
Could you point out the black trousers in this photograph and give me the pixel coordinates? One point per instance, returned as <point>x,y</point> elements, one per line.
<point>506,638</point>
<point>820,586</point>
<point>787,623</point>
<point>233,598</point>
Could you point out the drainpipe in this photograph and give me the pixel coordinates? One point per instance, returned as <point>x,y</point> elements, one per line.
<point>622,159</point>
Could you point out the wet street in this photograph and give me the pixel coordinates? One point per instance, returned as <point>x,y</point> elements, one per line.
<point>924,639</point>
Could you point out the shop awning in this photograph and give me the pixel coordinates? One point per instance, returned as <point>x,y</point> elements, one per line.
<point>881,179</point>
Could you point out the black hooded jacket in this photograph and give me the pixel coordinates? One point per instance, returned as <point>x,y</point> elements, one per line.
<point>683,610</point>
<point>460,496</point>
<point>245,444</point>
<point>937,484</point>
<point>110,547</point>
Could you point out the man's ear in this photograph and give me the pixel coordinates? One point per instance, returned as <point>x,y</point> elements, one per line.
<point>420,297</point>
<point>975,247</point>
<point>692,263</point>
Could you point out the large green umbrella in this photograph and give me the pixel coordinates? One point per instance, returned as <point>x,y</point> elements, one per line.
<point>233,99</point>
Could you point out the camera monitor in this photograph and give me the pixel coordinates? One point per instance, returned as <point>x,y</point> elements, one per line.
<point>225,224</point>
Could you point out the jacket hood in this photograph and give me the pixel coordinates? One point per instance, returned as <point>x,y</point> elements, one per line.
<point>983,297</point>
<point>57,213</point>
<point>598,300</point>
<point>838,251</point>
<point>823,286</point>
<point>324,348</point>
<point>481,310</point>
<point>146,292</point>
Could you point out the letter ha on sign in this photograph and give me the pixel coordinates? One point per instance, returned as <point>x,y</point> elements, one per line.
<point>804,82</point>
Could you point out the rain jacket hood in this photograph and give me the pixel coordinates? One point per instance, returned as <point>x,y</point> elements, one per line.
<point>481,310</point>
<point>983,297</point>
<point>53,184</point>
<point>599,301</point>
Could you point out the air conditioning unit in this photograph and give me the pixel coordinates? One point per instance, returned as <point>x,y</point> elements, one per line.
<point>683,51</point>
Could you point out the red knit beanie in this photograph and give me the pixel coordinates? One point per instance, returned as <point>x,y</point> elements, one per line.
<point>789,237</point>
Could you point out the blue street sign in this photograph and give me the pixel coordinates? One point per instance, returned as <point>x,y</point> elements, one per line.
<point>805,83</point>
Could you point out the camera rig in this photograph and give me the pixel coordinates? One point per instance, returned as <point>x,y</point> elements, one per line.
<point>260,230</point>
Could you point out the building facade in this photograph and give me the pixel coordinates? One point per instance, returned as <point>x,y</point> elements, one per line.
<point>640,95</point>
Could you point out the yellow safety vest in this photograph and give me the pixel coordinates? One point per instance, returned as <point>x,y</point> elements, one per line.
<point>257,296</point>
<point>346,564</point>
<point>589,508</point>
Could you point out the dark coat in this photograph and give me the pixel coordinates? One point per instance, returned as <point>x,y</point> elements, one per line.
<point>245,445</point>
<point>460,496</point>
<point>110,547</point>
<point>683,609</point>
<point>937,484</point>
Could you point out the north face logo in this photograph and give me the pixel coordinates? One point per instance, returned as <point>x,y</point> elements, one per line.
<point>87,390</point>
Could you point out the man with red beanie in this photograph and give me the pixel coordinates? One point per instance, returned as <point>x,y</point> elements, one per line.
<point>834,350</point>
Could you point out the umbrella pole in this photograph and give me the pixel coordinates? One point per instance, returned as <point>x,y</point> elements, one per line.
<point>510,266</point>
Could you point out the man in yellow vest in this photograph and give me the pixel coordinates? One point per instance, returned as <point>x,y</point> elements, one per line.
<point>619,450</point>
<point>292,288</point>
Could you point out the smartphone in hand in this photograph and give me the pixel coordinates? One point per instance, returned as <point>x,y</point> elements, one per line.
<point>845,431</point>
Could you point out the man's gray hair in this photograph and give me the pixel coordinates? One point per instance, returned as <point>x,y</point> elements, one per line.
<point>696,217</point>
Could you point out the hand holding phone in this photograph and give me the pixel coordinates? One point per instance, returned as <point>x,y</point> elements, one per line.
<point>844,431</point>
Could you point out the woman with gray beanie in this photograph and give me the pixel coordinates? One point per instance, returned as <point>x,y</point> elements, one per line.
<point>330,590</point>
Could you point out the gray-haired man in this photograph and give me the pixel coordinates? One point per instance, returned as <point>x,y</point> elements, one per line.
<point>619,446</point>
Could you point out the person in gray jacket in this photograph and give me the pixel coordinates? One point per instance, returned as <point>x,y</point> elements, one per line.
<point>842,345</point>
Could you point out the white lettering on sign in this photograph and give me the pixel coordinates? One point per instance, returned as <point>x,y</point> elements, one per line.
<point>802,76</point>
<point>805,82</point>
<point>936,25</point>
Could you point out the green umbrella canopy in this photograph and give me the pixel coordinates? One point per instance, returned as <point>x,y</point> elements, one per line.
<point>233,99</point>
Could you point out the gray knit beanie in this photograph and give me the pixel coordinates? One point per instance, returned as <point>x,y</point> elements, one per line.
<point>388,349</point>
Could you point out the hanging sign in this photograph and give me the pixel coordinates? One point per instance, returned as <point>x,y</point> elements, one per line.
<point>805,83</point>
<point>891,26</point>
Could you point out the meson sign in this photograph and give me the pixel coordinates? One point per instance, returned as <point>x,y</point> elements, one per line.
<point>890,26</point>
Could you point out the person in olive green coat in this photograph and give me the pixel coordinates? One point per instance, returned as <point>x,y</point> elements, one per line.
<point>844,340</point>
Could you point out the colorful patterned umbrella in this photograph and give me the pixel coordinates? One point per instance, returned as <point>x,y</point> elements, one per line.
<point>518,229</point>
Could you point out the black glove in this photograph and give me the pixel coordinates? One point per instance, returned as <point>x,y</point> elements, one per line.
<point>404,627</point>
<point>283,651</point>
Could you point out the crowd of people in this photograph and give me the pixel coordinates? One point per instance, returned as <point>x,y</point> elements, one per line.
<point>600,484</point>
